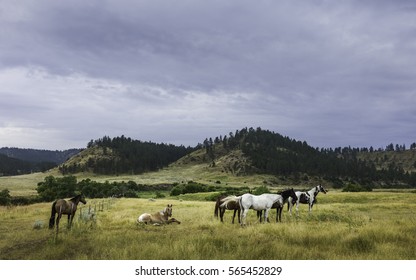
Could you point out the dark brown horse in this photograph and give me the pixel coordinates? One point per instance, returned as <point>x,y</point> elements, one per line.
<point>232,205</point>
<point>64,207</point>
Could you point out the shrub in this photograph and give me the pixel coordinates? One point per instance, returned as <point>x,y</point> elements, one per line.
<point>5,197</point>
<point>38,225</point>
<point>261,190</point>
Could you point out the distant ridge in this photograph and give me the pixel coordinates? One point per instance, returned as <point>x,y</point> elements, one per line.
<point>35,155</point>
<point>246,152</point>
<point>17,161</point>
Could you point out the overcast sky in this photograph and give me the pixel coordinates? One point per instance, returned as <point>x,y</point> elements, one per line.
<point>331,73</point>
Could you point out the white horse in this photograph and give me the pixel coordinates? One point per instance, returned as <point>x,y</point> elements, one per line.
<point>308,197</point>
<point>158,218</point>
<point>257,202</point>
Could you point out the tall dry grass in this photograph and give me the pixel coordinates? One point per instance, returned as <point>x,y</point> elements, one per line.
<point>342,226</point>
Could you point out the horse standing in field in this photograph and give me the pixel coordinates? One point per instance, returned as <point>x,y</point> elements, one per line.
<point>286,194</point>
<point>64,207</point>
<point>308,197</point>
<point>232,205</point>
<point>158,218</point>
<point>258,202</point>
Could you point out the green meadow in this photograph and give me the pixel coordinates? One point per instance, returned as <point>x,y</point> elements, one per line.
<point>342,226</point>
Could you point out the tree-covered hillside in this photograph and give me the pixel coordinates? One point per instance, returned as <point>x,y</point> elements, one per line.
<point>272,153</point>
<point>124,155</point>
<point>12,166</point>
<point>35,155</point>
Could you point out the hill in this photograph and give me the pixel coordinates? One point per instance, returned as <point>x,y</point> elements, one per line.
<point>12,166</point>
<point>16,161</point>
<point>35,155</point>
<point>123,155</point>
<point>248,152</point>
<point>404,159</point>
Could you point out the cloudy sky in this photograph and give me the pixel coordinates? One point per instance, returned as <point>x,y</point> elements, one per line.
<point>332,73</point>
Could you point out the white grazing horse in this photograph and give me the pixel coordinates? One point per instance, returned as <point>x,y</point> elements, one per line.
<point>257,202</point>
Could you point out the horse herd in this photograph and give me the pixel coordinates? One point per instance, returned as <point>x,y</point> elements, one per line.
<point>265,202</point>
<point>241,204</point>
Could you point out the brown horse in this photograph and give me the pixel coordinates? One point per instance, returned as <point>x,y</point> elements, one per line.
<point>232,205</point>
<point>158,218</point>
<point>64,207</point>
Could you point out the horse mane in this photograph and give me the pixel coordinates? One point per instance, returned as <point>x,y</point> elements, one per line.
<point>75,197</point>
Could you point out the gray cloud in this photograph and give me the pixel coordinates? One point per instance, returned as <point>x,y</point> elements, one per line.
<point>333,74</point>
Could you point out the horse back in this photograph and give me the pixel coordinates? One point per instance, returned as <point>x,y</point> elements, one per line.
<point>258,202</point>
<point>152,218</point>
<point>145,218</point>
<point>64,207</point>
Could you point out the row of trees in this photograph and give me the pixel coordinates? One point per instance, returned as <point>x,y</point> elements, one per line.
<point>52,188</point>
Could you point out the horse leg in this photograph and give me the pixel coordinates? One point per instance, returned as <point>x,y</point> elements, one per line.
<point>243,216</point>
<point>297,208</point>
<point>222,211</point>
<point>235,212</point>
<point>58,218</point>
<point>277,214</point>
<point>266,215</point>
<point>173,220</point>
<point>259,214</point>
<point>72,219</point>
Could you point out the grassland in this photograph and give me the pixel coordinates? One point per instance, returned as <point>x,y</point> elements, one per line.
<point>377,225</point>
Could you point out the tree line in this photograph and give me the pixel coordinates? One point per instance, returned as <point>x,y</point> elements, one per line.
<point>68,186</point>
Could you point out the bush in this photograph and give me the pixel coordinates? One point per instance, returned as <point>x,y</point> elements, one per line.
<point>261,190</point>
<point>176,191</point>
<point>38,225</point>
<point>5,197</point>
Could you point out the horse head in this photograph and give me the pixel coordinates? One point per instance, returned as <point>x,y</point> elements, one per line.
<point>168,210</point>
<point>79,198</point>
<point>321,189</point>
<point>293,195</point>
<point>82,199</point>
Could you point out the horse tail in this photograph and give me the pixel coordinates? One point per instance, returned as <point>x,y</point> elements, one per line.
<point>228,199</point>
<point>217,206</point>
<point>53,213</point>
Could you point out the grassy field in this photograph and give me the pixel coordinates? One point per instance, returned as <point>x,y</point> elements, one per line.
<point>377,225</point>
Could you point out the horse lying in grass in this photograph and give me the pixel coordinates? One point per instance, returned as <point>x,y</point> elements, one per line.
<point>158,218</point>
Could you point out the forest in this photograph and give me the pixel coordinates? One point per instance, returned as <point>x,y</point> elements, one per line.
<point>272,153</point>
